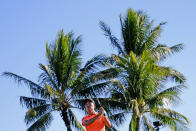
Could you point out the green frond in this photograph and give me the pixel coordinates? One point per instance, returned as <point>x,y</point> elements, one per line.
<point>161,51</point>
<point>173,74</point>
<point>112,105</point>
<point>75,53</point>
<point>133,60</point>
<point>152,36</point>
<point>118,95</point>
<point>177,48</point>
<point>129,31</point>
<point>30,102</point>
<point>51,91</point>
<point>103,75</point>
<point>174,114</point>
<point>171,94</point>
<point>114,41</point>
<point>49,53</point>
<point>122,64</point>
<point>95,63</point>
<point>35,89</point>
<point>80,103</point>
<point>74,121</point>
<point>147,124</point>
<point>34,113</point>
<point>42,123</point>
<point>119,91</point>
<point>47,76</point>
<point>175,120</point>
<point>99,88</point>
<point>118,118</point>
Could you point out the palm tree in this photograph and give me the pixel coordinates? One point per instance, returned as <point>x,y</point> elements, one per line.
<point>139,88</point>
<point>61,86</point>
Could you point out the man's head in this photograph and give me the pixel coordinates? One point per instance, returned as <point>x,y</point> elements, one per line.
<point>89,105</point>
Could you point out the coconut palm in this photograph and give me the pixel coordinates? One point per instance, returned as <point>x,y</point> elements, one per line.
<point>61,85</point>
<point>139,88</point>
<point>139,91</point>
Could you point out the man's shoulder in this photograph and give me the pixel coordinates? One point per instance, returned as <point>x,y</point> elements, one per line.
<point>85,117</point>
<point>89,116</point>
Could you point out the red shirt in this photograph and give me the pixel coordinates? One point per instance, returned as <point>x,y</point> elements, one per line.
<point>97,125</point>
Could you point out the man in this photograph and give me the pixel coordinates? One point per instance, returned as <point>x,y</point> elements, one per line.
<point>94,121</point>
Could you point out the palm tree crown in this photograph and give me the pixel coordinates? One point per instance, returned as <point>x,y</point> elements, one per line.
<point>139,89</point>
<point>61,85</point>
<point>138,34</point>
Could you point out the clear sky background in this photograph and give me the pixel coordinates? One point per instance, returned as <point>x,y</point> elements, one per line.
<point>26,25</point>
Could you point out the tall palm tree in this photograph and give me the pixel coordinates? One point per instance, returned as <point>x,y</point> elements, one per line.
<point>139,91</point>
<point>139,86</point>
<point>61,85</point>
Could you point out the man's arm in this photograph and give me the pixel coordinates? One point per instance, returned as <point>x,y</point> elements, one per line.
<point>107,121</point>
<point>88,122</point>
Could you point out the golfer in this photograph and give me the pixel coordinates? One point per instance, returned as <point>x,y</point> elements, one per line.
<point>94,121</point>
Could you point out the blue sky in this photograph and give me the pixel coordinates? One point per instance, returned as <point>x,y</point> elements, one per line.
<point>26,25</point>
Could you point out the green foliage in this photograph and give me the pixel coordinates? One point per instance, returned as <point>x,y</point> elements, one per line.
<point>138,91</point>
<point>61,84</point>
<point>139,34</point>
<point>139,88</point>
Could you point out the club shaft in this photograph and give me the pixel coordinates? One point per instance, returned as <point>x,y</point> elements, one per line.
<point>94,92</point>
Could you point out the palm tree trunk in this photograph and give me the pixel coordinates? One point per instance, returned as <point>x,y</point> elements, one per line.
<point>64,115</point>
<point>138,123</point>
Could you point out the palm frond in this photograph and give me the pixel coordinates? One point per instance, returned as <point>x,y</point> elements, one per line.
<point>99,80</point>
<point>74,121</point>
<point>152,36</point>
<point>173,74</point>
<point>175,120</point>
<point>171,94</point>
<point>103,75</point>
<point>51,91</point>
<point>129,31</point>
<point>31,102</point>
<point>42,123</point>
<point>147,124</point>
<point>47,76</point>
<point>112,105</point>
<point>118,118</point>
<point>114,41</point>
<point>34,113</point>
<point>161,51</point>
<point>99,88</point>
<point>35,89</point>
<point>95,63</point>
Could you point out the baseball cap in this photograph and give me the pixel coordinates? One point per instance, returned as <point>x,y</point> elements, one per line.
<point>89,100</point>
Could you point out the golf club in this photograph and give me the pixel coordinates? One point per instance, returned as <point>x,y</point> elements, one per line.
<point>104,113</point>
